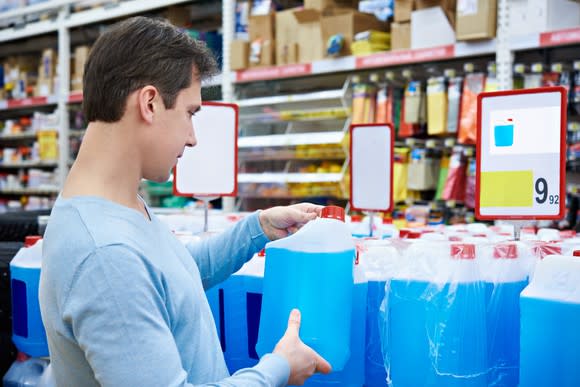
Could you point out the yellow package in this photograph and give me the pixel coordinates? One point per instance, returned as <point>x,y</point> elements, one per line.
<point>436,106</point>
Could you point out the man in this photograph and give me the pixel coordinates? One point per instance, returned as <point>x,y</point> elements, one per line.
<point>122,300</point>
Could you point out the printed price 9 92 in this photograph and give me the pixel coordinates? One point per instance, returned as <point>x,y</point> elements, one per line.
<point>541,188</point>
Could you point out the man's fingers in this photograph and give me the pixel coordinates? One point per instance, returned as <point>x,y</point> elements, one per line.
<point>294,323</point>
<point>322,365</point>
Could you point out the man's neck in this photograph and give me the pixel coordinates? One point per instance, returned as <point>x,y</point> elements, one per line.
<point>107,166</point>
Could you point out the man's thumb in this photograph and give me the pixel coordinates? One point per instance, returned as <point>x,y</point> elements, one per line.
<point>294,322</point>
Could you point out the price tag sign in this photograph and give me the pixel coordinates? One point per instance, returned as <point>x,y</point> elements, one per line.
<point>521,152</point>
<point>210,167</point>
<point>371,167</point>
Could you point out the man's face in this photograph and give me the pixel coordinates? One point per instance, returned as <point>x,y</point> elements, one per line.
<point>173,132</point>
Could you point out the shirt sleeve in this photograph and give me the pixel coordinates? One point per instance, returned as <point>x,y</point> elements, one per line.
<point>221,255</point>
<point>118,316</point>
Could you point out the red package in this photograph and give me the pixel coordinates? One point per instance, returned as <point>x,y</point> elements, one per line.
<point>473,85</point>
<point>455,184</point>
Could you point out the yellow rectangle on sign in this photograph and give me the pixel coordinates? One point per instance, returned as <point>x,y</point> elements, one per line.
<point>507,189</point>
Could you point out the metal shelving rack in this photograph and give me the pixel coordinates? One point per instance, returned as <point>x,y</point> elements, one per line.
<point>61,25</point>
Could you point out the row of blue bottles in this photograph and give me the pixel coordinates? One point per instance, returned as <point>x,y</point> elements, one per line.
<point>550,321</point>
<point>436,319</point>
<point>505,268</point>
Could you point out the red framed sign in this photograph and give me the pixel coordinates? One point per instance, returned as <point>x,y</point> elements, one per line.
<point>210,167</point>
<point>521,149</point>
<point>371,167</point>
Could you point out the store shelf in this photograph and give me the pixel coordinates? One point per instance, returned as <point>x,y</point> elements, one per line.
<point>383,59</point>
<point>82,18</point>
<point>289,177</point>
<point>121,9</point>
<point>29,191</point>
<point>77,96</point>
<point>18,136</point>
<point>545,39</point>
<point>76,132</point>
<point>26,103</point>
<point>296,115</point>
<point>282,156</point>
<point>29,164</point>
<point>280,99</point>
<point>286,196</point>
<point>277,140</point>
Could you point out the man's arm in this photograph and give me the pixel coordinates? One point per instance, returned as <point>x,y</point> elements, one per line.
<point>117,311</point>
<point>220,256</point>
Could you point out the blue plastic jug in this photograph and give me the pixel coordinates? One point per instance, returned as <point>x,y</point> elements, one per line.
<point>28,333</point>
<point>505,268</point>
<point>311,270</point>
<point>436,319</point>
<point>550,317</point>
<point>353,373</point>
<point>242,305</point>
<point>380,261</point>
<point>25,372</point>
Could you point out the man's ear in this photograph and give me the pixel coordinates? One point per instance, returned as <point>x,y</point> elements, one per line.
<point>148,99</point>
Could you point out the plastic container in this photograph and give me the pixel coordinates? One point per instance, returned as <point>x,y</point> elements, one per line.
<point>353,373</point>
<point>215,299</point>
<point>311,270</point>
<point>505,268</point>
<point>27,330</point>
<point>380,261</point>
<point>242,305</point>
<point>25,372</point>
<point>550,317</point>
<point>436,319</point>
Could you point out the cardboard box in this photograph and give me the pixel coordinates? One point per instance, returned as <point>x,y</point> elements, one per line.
<point>179,16</point>
<point>322,5</point>
<point>403,9</point>
<point>310,44</point>
<point>286,37</point>
<point>261,27</point>
<point>430,27</point>
<point>239,54</point>
<point>76,83</point>
<point>47,67</point>
<point>348,23</point>
<point>262,38</point>
<point>81,55</point>
<point>533,16</point>
<point>400,36</point>
<point>476,20</point>
<point>448,6</point>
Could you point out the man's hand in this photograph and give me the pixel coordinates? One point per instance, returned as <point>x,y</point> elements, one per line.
<point>304,362</point>
<point>279,222</point>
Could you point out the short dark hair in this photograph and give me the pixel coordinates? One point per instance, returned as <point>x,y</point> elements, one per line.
<point>137,52</point>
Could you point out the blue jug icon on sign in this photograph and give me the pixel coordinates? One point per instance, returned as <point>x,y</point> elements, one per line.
<point>504,133</point>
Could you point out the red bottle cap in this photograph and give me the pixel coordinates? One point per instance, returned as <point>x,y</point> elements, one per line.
<point>463,251</point>
<point>333,212</point>
<point>404,233</point>
<point>576,253</point>
<point>414,235</point>
<point>30,240</point>
<point>505,250</point>
<point>356,218</point>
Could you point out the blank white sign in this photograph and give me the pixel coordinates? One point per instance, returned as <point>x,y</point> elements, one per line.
<point>371,166</point>
<point>210,167</point>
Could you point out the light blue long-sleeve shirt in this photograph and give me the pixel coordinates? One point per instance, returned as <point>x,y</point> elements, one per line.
<point>123,300</point>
